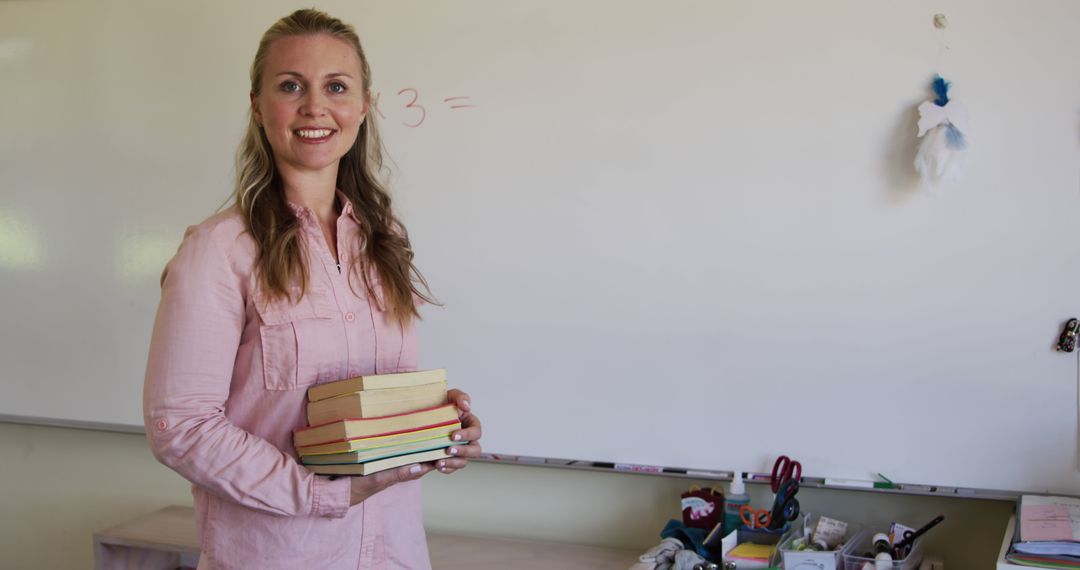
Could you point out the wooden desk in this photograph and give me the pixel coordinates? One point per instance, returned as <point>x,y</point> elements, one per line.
<point>1006,542</point>
<point>158,541</point>
<point>459,552</point>
<point>167,538</point>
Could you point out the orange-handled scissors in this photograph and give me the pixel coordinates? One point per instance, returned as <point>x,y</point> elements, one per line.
<point>754,518</point>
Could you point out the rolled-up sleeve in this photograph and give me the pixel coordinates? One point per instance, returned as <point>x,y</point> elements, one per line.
<point>193,349</point>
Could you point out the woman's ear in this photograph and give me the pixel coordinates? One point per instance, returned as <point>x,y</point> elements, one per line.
<point>255,108</point>
<point>367,107</point>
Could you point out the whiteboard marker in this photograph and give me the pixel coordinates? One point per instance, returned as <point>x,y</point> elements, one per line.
<point>632,468</point>
<point>530,460</point>
<point>708,474</point>
<point>833,482</point>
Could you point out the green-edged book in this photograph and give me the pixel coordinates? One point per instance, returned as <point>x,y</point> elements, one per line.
<point>377,453</point>
<point>379,464</point>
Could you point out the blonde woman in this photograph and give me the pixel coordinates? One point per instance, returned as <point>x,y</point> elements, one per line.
<point>307,278</point>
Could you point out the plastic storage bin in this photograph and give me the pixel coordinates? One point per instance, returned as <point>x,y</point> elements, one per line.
<point>767,537</point>
<point>854,559</point>
<point>814,560</point>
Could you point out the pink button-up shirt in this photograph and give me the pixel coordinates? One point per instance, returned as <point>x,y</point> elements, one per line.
<point>225,388</point>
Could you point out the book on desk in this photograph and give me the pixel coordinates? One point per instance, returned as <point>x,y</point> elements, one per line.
<point>1045,532</point>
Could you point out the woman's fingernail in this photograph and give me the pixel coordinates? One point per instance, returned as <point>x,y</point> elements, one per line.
<point>457,437</point>
<point>441,464</point>
<point>465,404</point>
<point>415,469</point>
<point>453,451</point>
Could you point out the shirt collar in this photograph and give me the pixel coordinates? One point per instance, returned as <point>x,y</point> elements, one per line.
<point>305,213</point>
<point>347,207</point>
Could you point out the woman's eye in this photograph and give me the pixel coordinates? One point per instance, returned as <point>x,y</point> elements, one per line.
<point>290,87</point>
<point>336,87</point>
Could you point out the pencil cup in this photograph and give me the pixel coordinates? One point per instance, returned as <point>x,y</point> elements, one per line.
<point>763,535</point>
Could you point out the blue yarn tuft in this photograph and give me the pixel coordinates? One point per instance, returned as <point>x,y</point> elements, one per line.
<point>941,88</point>
<point>954,139</point>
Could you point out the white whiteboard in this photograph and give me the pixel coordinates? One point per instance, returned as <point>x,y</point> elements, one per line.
<point>677,233</point>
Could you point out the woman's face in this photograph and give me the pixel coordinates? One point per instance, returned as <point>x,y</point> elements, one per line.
<point>311,102</point>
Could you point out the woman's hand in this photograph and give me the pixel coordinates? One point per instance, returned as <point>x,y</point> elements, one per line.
<point>364,487</point>
<point>470,431</point>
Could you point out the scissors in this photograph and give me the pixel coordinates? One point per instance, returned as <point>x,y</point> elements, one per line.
<point>754,518</point>
<point>1067,341</point>
<point>785,469</point>
<point>903,548</point>
<point>785,506</point>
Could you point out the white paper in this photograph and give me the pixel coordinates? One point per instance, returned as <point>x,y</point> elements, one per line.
<point>1069,502</point>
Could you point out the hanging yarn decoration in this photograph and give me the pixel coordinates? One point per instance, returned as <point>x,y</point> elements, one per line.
<point>942,124</point>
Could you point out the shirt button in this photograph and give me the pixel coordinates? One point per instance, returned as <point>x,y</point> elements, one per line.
<point>349,317</point>
<point>161,425</point>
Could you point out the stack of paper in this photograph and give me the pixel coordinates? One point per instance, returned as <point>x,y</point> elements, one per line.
<point>1048,533</point>
<point>749,555</point>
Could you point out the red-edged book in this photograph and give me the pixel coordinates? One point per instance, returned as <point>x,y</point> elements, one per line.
<point>347,429</point>
<point>422,436</point>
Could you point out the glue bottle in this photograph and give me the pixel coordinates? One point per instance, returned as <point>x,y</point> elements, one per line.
<point>734,501</point>
<point>883,559</point>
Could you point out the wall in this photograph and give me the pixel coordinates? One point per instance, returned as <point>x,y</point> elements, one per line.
<point>718,193</point>
<point>61,485</point>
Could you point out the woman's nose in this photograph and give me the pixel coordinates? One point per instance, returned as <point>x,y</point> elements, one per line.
<point>313,104</point>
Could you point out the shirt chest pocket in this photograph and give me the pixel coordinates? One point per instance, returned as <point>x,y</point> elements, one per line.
<point>302,343</point>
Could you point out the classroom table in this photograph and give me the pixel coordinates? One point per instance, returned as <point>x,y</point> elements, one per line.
<point>166,538</point>
<point>1006,542</point>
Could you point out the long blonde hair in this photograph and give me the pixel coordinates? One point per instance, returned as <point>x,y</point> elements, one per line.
<point>260,196</point>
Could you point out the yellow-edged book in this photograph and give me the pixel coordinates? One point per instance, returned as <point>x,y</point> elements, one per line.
<point>344,430</point>
<point>376,382</point>
<point>376,403</point>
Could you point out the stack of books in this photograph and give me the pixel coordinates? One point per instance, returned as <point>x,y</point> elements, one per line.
<point>372,423</point>
<point>1047,532</point>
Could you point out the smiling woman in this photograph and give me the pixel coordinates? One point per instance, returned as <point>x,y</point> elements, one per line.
<point>260,303</point>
